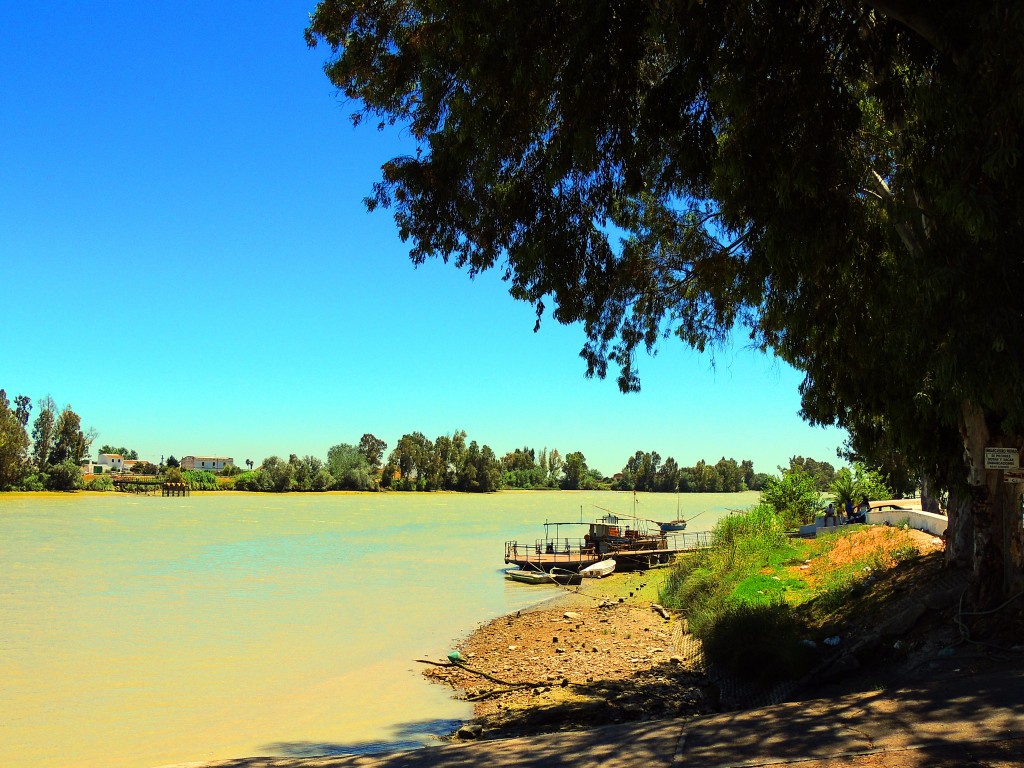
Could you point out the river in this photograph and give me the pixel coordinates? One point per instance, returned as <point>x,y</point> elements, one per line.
<point>143,631</point>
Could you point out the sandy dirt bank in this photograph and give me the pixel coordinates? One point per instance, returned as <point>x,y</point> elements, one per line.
<point>601,655</point>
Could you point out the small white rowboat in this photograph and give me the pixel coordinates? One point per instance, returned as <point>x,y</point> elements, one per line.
<point>599,569</point>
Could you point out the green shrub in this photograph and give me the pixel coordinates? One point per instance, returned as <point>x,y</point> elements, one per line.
<point>248,481</point>
<point>66,476</point>
<point>794,497</point>
<point>751,634</point>
<point>36,482</point>
<point>200,480</point>
<point>760,643</point>
<point>101,483</point>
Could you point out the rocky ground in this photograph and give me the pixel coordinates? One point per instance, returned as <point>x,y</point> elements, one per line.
<point>600,655</point>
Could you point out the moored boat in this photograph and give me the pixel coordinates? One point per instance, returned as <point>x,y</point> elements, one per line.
<point>626,541</point>
<point>564,578</point>
<point>672,525</point>
<point>599,569</point>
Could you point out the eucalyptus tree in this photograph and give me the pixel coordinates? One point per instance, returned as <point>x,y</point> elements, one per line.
<point>839,178</point>
<point>70,443</point>
<point>13,439</point>
<point>42,432</point>
<point>348,466</point>
<point>372,447</point>
<point>574,472</point>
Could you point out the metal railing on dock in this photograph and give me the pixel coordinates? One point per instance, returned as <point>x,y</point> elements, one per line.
<point>629,554</point>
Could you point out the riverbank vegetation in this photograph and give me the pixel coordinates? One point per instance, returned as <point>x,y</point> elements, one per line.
<point>757,582</point>
<point>50,459</point>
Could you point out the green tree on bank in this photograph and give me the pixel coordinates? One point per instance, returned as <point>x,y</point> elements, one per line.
<point>126,453</point>
<point>14,440</point>
<point>841,179</point>
<point>58,446</point>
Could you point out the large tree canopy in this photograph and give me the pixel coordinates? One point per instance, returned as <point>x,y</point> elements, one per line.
<point>840,178</point>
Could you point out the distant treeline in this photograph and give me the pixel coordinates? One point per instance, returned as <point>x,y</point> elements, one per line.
<point>49,458</point>
<point>644,471</point>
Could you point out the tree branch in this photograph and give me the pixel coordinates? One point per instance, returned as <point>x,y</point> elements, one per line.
<point>911,15</point>
<point>902,228</point>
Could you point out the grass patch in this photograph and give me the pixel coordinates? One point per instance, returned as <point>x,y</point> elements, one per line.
<point>739,596</point>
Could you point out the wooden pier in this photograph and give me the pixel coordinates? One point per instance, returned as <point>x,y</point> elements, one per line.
<point>148,485</point>
<point>144,485</point>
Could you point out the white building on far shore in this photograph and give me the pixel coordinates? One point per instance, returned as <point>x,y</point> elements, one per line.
<point>208,463</point>
<point>111,462</point>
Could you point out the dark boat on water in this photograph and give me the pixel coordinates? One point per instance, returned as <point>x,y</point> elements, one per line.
<point>554,576</point>
<point>672,526</point>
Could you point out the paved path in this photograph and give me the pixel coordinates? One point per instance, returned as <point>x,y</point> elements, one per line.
<point>952,722</point>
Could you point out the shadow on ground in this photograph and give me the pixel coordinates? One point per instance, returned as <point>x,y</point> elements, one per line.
<point>406,737</point>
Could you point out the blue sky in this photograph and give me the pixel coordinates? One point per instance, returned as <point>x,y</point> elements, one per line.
<point>187,261</point>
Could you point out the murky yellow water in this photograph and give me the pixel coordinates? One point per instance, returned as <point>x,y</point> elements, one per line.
<point>138,632</point>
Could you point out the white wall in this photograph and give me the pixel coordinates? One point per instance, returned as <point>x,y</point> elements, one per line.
<point>922,521</point>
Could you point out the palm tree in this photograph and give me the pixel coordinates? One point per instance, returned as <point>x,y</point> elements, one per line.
<point>844,488</point>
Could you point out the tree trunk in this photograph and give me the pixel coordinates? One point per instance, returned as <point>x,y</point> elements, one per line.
<point>929,493</point>
<point>998,568</point>
<point>959,530</point>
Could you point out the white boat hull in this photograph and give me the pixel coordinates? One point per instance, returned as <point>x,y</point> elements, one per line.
<point>599,570</point>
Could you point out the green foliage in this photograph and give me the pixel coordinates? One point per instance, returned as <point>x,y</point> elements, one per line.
<point>776,653</point>
<point>248,481</point>
<point>276,475</point>
<point>173,475</point>
<point>100,483</point>
<point>69,441</point>
<point>123,452</point>
<point>861,482</point>
<point>309,473</point>
<point>522,468</point>
<point>794,496</point>
<point>66,476</point>
<point>349,468</point>
<point>822,472</point>
<point>13,441</point>
<point>35,482</point>
<point>372,448</point>
<point>445,464</point>
<point>575,472</point>
<point>42,432</point>
<point>720,593</point>
<point>200,480</point>
<point>172,462</point>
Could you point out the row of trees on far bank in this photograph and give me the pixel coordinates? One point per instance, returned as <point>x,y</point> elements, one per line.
<point>416,463</point>
<point>644,471</point>
<point>50,454</point>
<point>647,472</point>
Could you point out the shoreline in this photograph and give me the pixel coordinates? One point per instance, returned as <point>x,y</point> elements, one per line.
<point>602,654</point>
